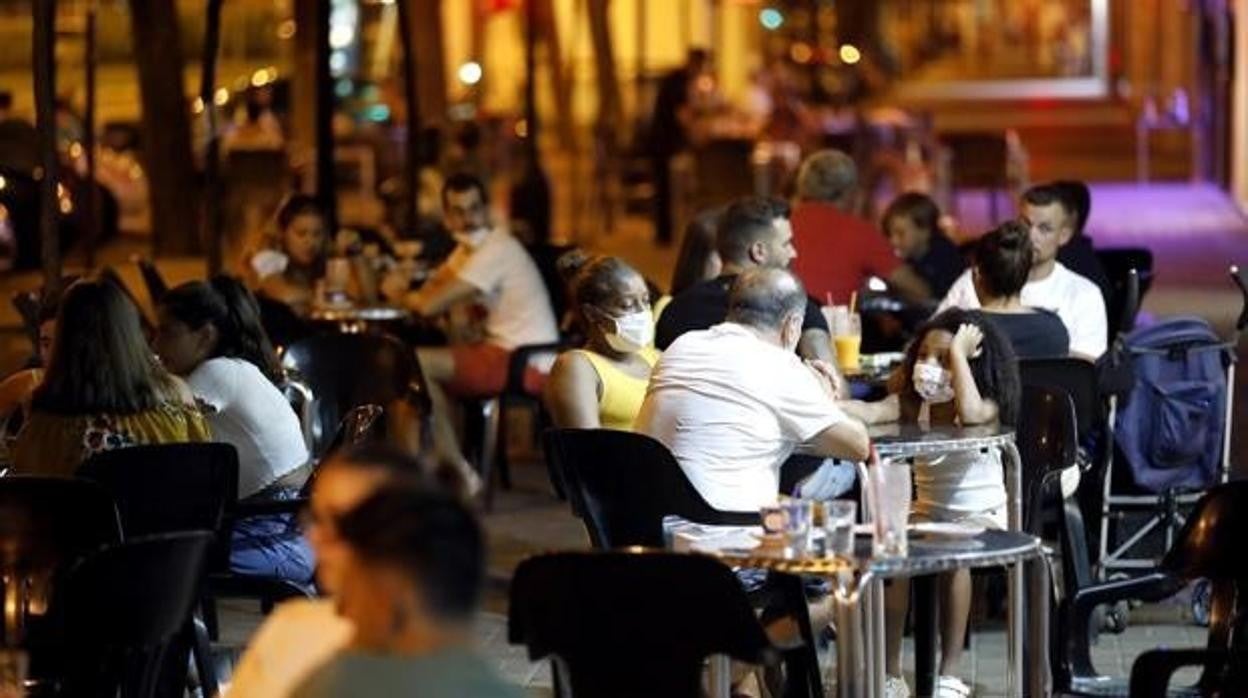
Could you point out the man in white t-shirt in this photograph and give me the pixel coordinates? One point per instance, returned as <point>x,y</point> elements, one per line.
<point>733,401</point>
<point>1051,286</point>
<point>492,274</point>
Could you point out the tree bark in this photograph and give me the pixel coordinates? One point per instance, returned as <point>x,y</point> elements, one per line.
<point>44,13</point>
<point>213,191</point>
<point>172,181</point>
<point>326,192</point>
<point>429,53</point>
<point>609,99</point>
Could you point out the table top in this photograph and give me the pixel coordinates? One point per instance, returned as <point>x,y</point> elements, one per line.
<point>908,440</point>
<point>927,554</point>
<point>369,313</point>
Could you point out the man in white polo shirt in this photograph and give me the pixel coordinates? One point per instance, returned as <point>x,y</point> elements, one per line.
<point>492,274</point>
<point>733,401</point>
<point>1051,286</point>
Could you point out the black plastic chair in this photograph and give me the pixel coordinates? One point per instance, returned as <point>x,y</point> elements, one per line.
<point>282,323</point>
<point>621,485</point>
<point>120,612</point>
<point>48,523</point>
<point>1119,263</point>
<point>152,279</point>
<point>348,370</point>
<point>1208,547</point>
<point>632,624</point>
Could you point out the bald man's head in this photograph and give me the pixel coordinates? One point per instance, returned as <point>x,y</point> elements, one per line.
<point>764,298</point>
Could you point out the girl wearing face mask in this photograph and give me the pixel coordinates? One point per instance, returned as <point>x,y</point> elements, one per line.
<point>603,383</point>
<point>960,370</point>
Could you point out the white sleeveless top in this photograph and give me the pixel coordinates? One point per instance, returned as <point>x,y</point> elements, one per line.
<point>960,485</point>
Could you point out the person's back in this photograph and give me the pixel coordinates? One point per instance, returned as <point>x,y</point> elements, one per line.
<point>1035,335</point>
<point>446,674</point>
<point>696,308</point>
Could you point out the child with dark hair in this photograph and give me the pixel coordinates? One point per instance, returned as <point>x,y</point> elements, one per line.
<point>959,370</point>
<point>912,225</point>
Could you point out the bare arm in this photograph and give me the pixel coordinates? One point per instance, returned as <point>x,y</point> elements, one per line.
<point>815,348</point>
<point>880,412</point>
<point>571,393</point>
<point>847,440</point>
<point>973,408</point>
<point>443,290</point>
<point>909,285</point>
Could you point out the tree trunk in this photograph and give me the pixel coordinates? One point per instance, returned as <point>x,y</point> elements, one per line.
<point>326,192</point>
<point>213,191</point>
<point>609,99</point>
<point>558,80</point>
<point>426,32</point>
<point>303,90</point>
<point>44,13</point>
<point>172,181</point>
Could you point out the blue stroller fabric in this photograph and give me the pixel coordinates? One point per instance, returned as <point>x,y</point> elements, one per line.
<point>1171,428</point>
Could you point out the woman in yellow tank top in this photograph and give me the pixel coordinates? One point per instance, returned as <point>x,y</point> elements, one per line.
<point>604,383</point>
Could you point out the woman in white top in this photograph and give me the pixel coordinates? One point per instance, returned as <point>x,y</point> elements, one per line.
<point>210,334</point>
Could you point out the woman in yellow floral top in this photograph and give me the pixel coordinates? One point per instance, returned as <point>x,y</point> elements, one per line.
<point>103,388</point>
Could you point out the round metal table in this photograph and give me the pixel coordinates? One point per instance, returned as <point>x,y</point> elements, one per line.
<point>357,319</point>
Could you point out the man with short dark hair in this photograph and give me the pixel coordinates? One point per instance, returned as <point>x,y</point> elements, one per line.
<point>752,232</point>
<point>732,402</point>
<point>1050,285</point>
<point>839,250</point>
<point>1078,254</point>
<point>491,274</point>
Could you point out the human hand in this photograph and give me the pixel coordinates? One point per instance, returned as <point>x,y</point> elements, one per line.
<point>828,378</point>
<point>967,341</point>
<point>394,286</point>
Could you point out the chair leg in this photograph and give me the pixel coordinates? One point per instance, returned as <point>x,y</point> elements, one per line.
<point>490,410</point>
<point>500,450</point>
<point>201,652</point>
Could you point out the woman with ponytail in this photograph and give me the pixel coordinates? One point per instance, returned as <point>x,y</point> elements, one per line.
<point>210,334</point>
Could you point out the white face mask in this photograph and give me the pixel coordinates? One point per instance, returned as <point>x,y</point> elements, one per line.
<point>631,332</point>
<point>473,238</point>
<point>933,383</point>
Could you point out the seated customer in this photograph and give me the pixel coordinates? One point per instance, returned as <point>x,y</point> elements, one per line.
<point>840,251</point>
<point>912,226</point>
<point>1002,263</point>
<point>103,388</point>
<point>17,389</point>
<point>696,260</point>
<point>210,334</point>
<point>732,402</point>
<point>493,273</point>
<point>301,634</point>
<point>410,582</point>
<point>1050,285</point>
<point>603,384</point>
<point>753,232</point>
<point>1079,255</point>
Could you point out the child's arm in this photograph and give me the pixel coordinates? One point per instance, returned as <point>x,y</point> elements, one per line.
<point>973,408</point>
<point>881,412</point>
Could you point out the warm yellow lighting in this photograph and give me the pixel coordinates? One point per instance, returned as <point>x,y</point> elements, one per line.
<point>4,183</point>
<point>850,54</point>
<point>801,53</point>
<point>221,96</point>
<point>66,207</point>
<point>260,78</point>
<point>522,129</point>
<point>286,30</point>
<point>197,107</point>
<point>75,150</point>
<point>470,73</point>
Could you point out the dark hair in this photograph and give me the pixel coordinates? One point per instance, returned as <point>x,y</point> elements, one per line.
<point>762,297</point>
<point>1046,194</point>
<point>425,470</point>
<point>463,181</point>
<point>298,205</point>
<point>1003,259</point>
<point>431,537</point>
<point>101,363</point>
<point>745,222</point>
<point>995,370</point>
<point>1077,199</point>
<point>695,247</point>
<point>6,99</point>
<point>600,279</point>
<point>916,207</point>
<point>226,304</point>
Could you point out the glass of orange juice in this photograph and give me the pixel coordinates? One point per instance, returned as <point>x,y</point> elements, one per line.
<point>847,338</point>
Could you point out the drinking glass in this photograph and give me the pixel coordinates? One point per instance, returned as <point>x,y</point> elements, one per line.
<point>890,486</point>
<point>790,517</point>
<point>838,525</point>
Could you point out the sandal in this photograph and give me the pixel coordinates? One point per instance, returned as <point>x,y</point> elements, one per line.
<point>952,687</point>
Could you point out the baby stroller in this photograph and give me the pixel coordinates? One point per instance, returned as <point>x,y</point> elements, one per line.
<point>1172,433</point>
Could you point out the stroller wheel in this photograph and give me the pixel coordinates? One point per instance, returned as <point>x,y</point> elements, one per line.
<point>1201,602</point>
<point>1115,619</point>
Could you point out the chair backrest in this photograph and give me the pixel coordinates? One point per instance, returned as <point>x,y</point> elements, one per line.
<point>621,484</point>
<point>281,322</point>
<point>356,428</point>
<point>1127,290</point>
<point>1047,440</point>
<point>1208,544</point>
<point>348,370</point>
<point>166,488</point>
<point>120,608</point>
<point>631,624</point>
<point>1075,376</point>
<point>48,522</point>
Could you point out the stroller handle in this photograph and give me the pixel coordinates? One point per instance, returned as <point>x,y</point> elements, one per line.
<point>1243,289</point>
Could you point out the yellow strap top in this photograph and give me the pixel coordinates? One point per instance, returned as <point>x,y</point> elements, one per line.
<point>622,394</point>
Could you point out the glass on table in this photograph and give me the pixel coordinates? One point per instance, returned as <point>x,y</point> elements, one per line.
<point>838,526</point>
<point>890,488</point>
<point>791,520</point>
